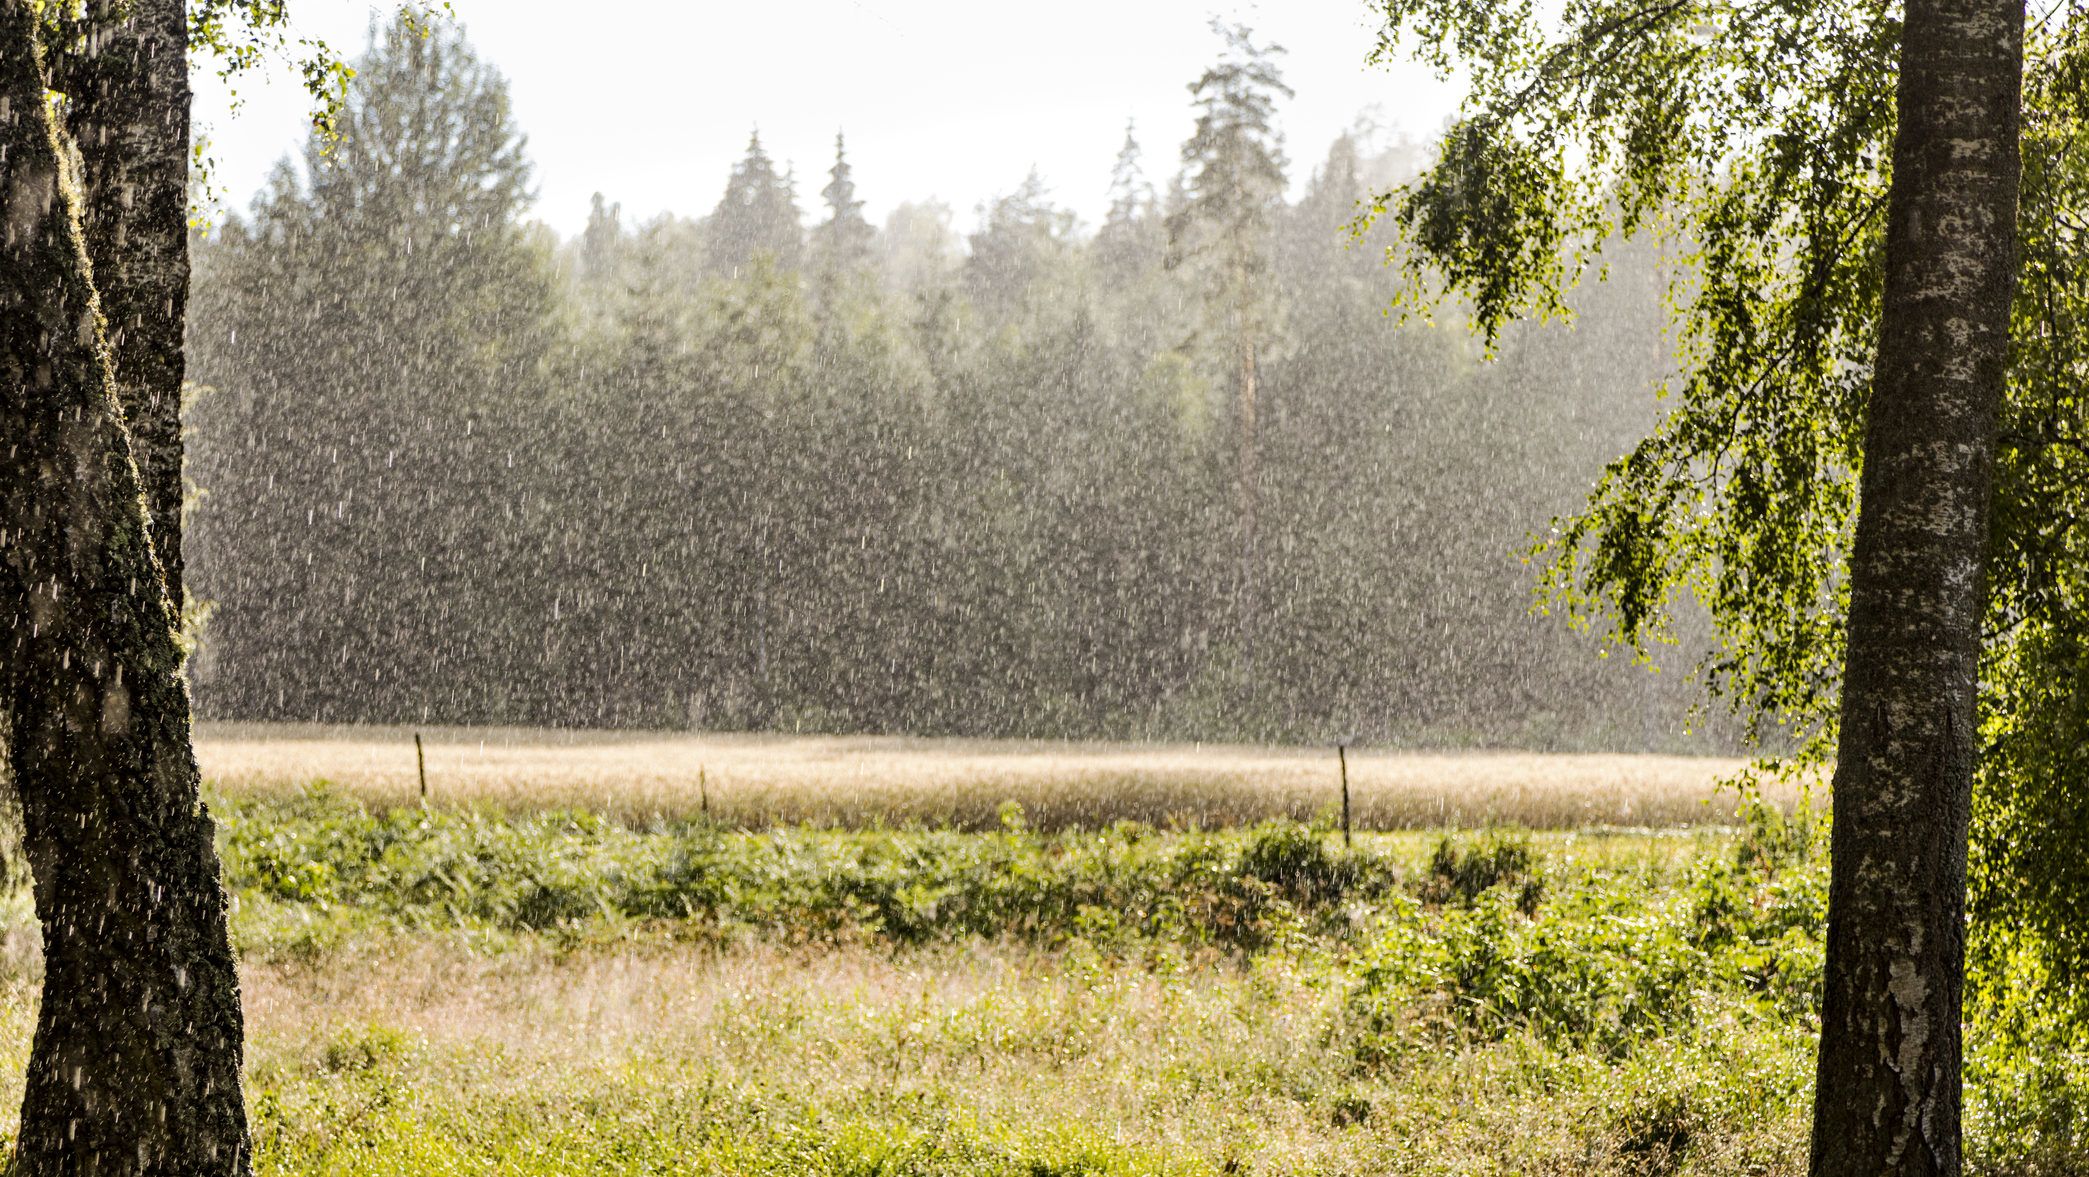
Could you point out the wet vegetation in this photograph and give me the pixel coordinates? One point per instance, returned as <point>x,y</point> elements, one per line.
<point>754,782</point>
<point>1173,476</point>
<point>559,994</point>
<point>726,472</point>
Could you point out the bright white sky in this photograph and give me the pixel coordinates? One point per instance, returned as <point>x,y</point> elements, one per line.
<point>651,101</point>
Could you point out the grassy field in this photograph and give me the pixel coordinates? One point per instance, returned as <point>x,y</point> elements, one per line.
<point>760,781</point>
<point>512,986</point>
<point>561,994</point>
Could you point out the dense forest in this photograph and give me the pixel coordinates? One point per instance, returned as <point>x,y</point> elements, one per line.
<point>1185,473</point>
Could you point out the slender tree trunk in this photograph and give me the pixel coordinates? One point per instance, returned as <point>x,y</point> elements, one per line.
<point>1887,1100</point>
<point>1249,506</point>
<point>127,87</point>
<point>135,1064</point>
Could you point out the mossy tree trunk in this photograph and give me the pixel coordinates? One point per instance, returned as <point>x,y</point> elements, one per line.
<point>1887,1100</point>
<point>136,1062</point>
<point>124,71</point>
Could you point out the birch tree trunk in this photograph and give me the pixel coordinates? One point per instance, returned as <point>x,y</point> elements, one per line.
<point>1888,1092</point>
<point>135,1066</point>
<point>127,87</point>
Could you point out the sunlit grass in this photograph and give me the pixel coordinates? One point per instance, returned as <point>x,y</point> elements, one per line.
<point>415,1056</point>
<point>974,1059</point>
<point>552,994</point>
<point>757,781</point>
<point>557,994</point>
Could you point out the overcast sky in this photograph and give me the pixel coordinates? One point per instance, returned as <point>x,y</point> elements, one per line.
<point>651,101</point>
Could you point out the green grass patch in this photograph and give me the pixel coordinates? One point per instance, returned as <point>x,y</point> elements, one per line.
<point>467,991</point>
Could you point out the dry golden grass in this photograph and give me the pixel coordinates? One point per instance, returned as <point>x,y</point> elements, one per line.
<point>1186,1066</point>
<point>760,780</point>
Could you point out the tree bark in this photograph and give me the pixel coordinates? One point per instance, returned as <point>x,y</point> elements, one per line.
<point>1249,509</point>
<point>1888,1091</point>
<point>126,81</point>
<point>135,1066</point>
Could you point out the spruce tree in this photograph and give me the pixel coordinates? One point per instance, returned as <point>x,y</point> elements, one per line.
<point>1131,239</point>
<point>377,331</point>
<point>1023,238</point>
<point>599,240</point>
<point>841,244</point>
<point>1222,235</point>
<point>758,215</point>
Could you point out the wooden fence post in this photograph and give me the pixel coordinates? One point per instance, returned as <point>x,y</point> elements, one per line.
<point>1342,754</point>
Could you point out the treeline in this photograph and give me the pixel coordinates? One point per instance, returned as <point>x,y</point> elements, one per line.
<point>1180,475</point>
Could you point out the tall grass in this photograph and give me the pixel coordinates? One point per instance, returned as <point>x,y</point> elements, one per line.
<point>761,781</point>
<point>558,993</point>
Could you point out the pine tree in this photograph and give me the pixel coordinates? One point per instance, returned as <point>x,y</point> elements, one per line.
<point>841,245</point>
<point>598,241</point>
<point>1233,190</point>
<point>1023,237</point>
<point>1131,238</point>
<point>757,215</point>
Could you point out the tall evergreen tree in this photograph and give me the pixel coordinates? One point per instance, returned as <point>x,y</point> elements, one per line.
<point>757,215</point>
<point>1132,238</point>
<point>599,240</point>
<point>1023,238</point>
<point>841,244</point>
<point>1233,190</point>
<point>377,333</point>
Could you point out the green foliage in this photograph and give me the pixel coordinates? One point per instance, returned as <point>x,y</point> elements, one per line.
<point>1751,140</point>
<point>241,36</point>
<point>575,874</point>
<point>1606,961</point>
<point>1748,140</point>
<point>2027,1076</point>
<point>1614,954</point>
<point>756,218</point>
<point>1295,859</point>
<point>365,1048</point>
<point>1461,871</point>
<point>1653,1014</point>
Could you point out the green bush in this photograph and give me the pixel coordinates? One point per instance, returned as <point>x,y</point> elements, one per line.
<point>1295,859</point>
<point>1461,871</point>
<point>1611,960</point>
<point>2027,1065</point>
<point>574,873</point>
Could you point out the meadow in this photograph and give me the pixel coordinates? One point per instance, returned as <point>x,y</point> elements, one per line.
<point>494,986</point>
<point>765,780</point>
